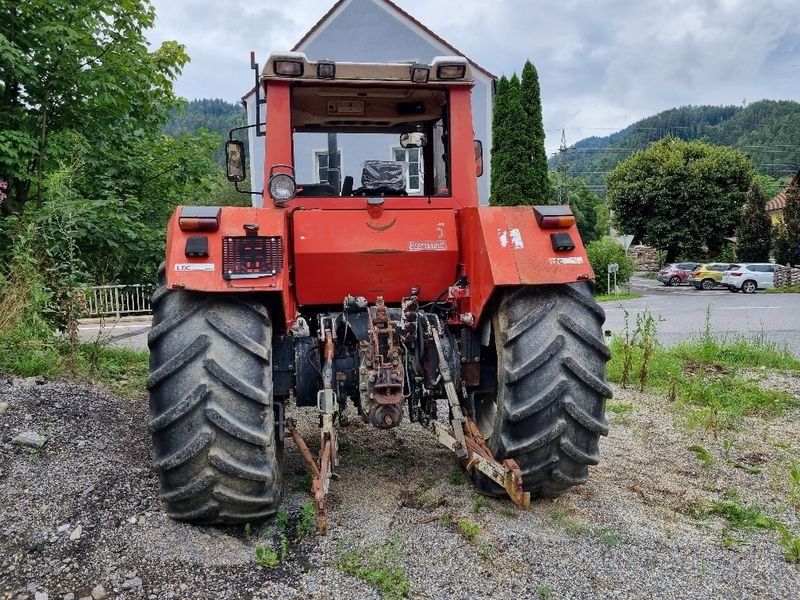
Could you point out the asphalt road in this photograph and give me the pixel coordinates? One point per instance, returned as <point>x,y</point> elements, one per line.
<point>681,313</point>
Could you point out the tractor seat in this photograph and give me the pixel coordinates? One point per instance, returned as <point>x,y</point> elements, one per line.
<point>382,178</point>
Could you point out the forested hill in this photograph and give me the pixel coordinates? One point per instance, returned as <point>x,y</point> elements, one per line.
<point>214,115</point>
<point>768,131</point>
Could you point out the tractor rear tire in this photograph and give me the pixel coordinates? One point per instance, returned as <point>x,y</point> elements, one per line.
<point>215,449</point>
<point>548,411</point>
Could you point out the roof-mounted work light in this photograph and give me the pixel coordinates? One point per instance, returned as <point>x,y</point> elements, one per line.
<point>288,68</point>
<point>326,70</point>
<point>451,71</point>
<point>420,73</point>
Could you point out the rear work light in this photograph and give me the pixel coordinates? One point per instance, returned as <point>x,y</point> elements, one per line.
<point>326,70</point>
<point>420,73</point>
<point>453,71</point>
<point>199,218</point>
<point>550,217</point>
<point>288,68</point>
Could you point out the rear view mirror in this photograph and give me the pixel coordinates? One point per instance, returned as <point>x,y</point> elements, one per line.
<point>413,139</point>
<point>234,161</point>
<point>478,158</point>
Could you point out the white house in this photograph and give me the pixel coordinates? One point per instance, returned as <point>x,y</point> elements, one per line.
<point>371,31</point>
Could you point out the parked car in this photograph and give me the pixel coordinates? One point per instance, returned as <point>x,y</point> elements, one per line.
<point>676,273</point>
<point>706,276</point>
<point>749,277</point>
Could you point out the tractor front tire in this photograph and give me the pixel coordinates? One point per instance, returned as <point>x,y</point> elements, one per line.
<point>211,412</point>
<point>548,411</point>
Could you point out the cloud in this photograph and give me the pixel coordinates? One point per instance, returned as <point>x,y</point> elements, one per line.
<point>602,64</point>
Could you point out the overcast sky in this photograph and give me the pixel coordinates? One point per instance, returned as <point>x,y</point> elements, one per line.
<point>602,64</point>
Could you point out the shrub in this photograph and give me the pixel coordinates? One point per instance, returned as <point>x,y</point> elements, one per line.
<point>606,251</point>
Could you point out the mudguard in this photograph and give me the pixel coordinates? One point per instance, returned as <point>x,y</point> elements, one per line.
<point>505,246</point>
<point>206,272</point>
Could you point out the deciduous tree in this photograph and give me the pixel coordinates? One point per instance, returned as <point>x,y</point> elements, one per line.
<point>680,197</point>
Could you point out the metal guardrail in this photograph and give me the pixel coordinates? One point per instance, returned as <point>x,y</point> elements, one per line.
<point>105,300</point>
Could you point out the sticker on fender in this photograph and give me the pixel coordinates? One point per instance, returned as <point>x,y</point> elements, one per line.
<point>566,260</point>
<point>194,267</point>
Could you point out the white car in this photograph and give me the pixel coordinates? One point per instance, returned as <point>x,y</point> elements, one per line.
<point>749,277</point>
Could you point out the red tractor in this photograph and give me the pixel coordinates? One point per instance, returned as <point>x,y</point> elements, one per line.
<point>399,294</point>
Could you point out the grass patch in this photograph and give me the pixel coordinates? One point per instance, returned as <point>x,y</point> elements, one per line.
<point>380,566</point>
<point>605,535</point>
<point>612,297</point>
<point>792,289</point>
<point>749,518</point>
<point>703,376</point>
<point>24,354</point>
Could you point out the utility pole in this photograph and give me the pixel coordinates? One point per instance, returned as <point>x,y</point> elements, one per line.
<point>563,167</point>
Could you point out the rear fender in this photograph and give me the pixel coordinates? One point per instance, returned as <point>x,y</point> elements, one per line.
<point>205,273</point>
<point>505,246</point>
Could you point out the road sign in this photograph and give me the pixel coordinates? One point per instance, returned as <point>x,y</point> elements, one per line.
<point>613,268</point>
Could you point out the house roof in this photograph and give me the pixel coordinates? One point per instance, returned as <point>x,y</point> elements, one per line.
<point>407,16</point>
<point>779,201</point>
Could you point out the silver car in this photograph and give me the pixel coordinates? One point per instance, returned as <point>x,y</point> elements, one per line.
<point>749,277</point>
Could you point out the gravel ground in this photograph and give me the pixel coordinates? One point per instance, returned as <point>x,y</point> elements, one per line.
<point>80,517</point>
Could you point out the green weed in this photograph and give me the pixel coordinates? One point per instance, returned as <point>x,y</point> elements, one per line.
<point>248,529</point>
<point>544,592</point>
<point>468,530</point>
<point>794,483</point>
<point>486,551</point>
<point>267,557</point>
<point>456,476</point>
<point>478,504</point>
<point>445,521</point>
<point>703,455</point>
<point>791,548</point>
<point>282,520</point>
<point>609,537</point>
<point>619,408</point>
<point>308,519</point>
<point>380,566</point>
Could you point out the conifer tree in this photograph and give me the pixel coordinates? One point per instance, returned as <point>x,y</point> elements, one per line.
<point>754,235</point>
<point>538,186</point>
<point>510,151</point>
<point>787,238</point>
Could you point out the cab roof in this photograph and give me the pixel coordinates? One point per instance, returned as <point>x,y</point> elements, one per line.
<point>295,66</point>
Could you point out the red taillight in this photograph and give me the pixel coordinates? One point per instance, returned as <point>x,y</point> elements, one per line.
<point>736,274</point>
<point>552,222</point>
<point>550,217</point>
<point>197,224</point>
<point>199,218</point>
<point>697,273</point>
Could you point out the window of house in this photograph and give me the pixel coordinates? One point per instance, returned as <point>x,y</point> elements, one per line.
<point>414,173</point>
<point>321,163</point>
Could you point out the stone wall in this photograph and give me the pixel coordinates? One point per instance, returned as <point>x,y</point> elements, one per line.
<point>644,257</point>
<point>786,276</point>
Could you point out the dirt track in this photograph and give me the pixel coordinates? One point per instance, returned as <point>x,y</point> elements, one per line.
<point>628,533</point>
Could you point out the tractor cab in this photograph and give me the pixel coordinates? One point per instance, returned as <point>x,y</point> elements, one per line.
<point>367,130</point>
